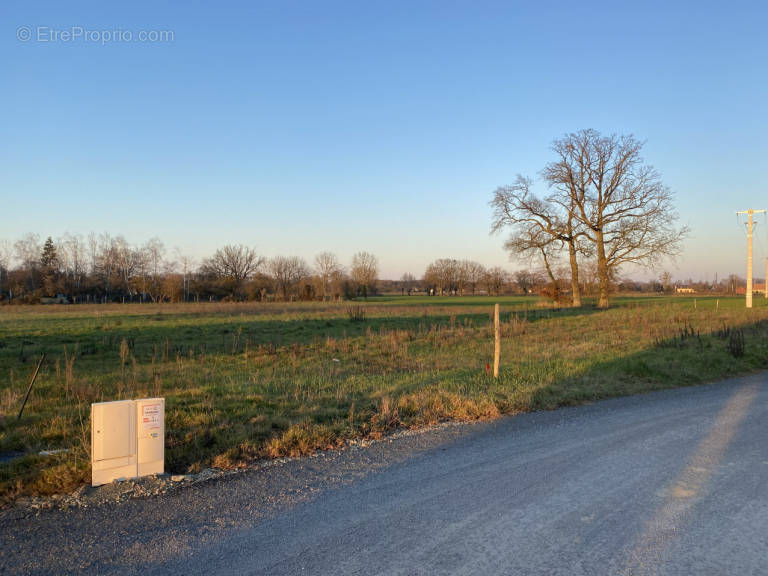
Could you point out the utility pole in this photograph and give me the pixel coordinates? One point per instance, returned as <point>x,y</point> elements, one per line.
<point>750,213</point>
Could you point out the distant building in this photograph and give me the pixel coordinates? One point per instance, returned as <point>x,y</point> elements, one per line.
<point>756,287</point>
<point>684,290</point>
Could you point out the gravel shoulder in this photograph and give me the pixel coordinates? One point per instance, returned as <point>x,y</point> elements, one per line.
<point>122,526</point>
<point>637,485</point>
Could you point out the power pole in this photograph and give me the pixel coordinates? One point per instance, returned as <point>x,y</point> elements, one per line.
<point>750,213</point>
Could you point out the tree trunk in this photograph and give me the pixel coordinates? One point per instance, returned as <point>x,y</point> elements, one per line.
<point>575,288</point>
<point>555,289</point>
<point>603,276</point>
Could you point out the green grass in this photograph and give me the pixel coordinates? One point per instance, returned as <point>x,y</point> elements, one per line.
<point>247,381</point>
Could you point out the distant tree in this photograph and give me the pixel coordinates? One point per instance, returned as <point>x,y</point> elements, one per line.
<point>155,269</point>
<point>407,282</point>
<point>49,259</point>
<point>525,280</point>
<point>733,283</point>
<point>171,288</point>
<point>50,267</point>
<point>364,272</point>
<point>104,258</point>
<point>666,281</point>
<point>472,273</point>
<point>328,268</point>
<point>233,264</point>
<point>73,259</point>
<point>186,264</point>
<point>5,264</point>
<point>129,265</point>
<point>27,251</point>
<point>287,273</point>
<point>495,278</point>
<point>443,275</point>
<point>433,278</point>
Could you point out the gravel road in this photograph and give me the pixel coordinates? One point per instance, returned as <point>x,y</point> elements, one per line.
<point>673,482</point>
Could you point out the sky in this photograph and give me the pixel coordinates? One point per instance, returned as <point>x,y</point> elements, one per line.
<point>384,126</point>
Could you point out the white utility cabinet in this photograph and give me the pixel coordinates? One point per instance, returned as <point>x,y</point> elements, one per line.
<point>127,439</point>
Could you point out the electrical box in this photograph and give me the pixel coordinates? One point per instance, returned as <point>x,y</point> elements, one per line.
<point>150,435</point>
<point>127,439</point>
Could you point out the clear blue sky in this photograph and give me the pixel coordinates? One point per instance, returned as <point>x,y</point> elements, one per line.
<point>384,126</point>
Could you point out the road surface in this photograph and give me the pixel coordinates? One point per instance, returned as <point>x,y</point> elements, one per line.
<point>673,482</point>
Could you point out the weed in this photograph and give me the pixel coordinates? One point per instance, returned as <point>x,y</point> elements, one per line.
<point>736,343</point>
<point>356,313</point>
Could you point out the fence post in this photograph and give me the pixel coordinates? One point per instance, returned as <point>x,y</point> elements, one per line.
<point>497,338</point>
<point>31,383</point>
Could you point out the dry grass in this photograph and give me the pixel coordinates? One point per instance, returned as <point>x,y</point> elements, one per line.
<point>248,381</point>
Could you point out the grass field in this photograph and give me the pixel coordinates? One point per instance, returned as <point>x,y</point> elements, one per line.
<point>248,381</point>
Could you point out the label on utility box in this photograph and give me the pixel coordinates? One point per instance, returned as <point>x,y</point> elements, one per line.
<point>151,416</point>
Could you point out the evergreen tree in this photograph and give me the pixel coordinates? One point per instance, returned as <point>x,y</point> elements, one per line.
<point>49,259</point>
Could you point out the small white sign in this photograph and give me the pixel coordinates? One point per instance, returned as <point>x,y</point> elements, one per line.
<point>151,415</point>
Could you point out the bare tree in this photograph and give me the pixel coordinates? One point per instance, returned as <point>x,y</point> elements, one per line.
<point>328,268</point>
<point>443,275</point>
<point>155,269</point>
<point>364,271</point>
<point>666,281</point>
<point>234,265</point>
<point>535,244</point>
<point>73,258</point>
<point>104,261</point>
<point>472,272</point>
<point>287,272</point>
<point>27,252</point>
<point>525,280</point>
<point>5,261</point>
<point>407,282</point>
<point>546,225</point>
<point>129,263</point>
<point>186,263</point>
<point>621,204</point>
<point>495,278</point>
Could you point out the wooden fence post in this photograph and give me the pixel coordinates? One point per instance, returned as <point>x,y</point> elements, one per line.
<point>497,338</point>
<point>31,383</point>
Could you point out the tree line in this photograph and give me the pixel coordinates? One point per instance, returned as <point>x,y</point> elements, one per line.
<point>105,268</point>
<point>603,208</point>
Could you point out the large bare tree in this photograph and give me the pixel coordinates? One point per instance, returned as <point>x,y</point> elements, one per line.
<point>620,202</point>
<point>539,227</point>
